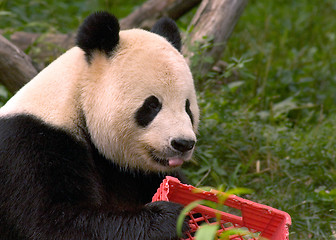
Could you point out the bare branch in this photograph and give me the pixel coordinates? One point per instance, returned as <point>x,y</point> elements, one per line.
<point>215,19</point>
<point>43,47</point>
<point>147,14</point>
<point>16,68</point>
<point>214,22</point>
<point>47,47</point>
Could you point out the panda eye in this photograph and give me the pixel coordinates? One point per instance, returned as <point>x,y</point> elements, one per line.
<point>148,111</point>
<point>187,109</point>
<point>154,104</point>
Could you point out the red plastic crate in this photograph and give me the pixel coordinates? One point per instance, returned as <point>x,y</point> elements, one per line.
<point>263,222</point>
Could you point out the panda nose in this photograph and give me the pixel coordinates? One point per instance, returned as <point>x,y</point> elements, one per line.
<point>182,145</point>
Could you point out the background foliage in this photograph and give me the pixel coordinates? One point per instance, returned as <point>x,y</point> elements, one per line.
<point>268,120</point>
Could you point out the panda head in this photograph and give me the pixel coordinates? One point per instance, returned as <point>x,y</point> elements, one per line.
<point>137,94</point>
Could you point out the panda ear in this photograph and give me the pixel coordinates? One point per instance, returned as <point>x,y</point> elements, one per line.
<point>168,29</point>
<point>99,31</point>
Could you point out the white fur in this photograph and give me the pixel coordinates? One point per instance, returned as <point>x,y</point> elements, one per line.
<point>109,92</point>
<point>53,94</point>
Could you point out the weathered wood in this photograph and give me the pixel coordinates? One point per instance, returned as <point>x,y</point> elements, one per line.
<point>45,41</point>
<point>148,13</point>
<point>47,47</point>
<point>214,19</point>
<point>43,47</point>
<point>212,26</point>
<point>16,68</point>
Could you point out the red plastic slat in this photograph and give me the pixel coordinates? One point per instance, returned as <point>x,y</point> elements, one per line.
<point>271,223</point>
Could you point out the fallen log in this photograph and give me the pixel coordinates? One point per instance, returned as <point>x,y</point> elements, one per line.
<point>149,12</point>
<point>212,26</point>
<point>16,68</point>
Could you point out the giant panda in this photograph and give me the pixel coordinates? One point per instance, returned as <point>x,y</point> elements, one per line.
<point>86,143</point>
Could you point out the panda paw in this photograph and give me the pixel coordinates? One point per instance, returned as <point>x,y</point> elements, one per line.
<point>163,220</point>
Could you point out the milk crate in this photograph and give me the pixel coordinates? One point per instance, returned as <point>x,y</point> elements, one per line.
<point>261,221</point>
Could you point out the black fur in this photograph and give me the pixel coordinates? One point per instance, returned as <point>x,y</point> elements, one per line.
<point>99,31</point>
<point>168,29</point>
<point>54,187</point>
<point>187,109</point>
<point>148,111</point>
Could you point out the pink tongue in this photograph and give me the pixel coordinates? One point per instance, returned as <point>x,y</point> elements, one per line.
<point>175,162</point>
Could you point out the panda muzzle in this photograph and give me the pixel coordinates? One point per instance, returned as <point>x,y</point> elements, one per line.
<point>173,161</point>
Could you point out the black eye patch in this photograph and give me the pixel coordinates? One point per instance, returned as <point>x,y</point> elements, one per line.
<point>148,111</point>
<point>187,109</point>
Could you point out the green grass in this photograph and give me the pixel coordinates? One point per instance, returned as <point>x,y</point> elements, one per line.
<point>274,107</point>
<point>56,15</point>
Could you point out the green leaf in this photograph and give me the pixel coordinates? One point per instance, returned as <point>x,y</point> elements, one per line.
<point>240,191</point>
<point>190,207</point>
<point>183,214</point>
<point>233,86</point>
<point>3,92</point>
<point>206,231</point>
<point>6,13</point>
<point>284,106</point>
<point>234,231</point>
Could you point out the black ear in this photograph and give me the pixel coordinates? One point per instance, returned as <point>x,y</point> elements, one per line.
<point>168,29</point>
<point>99,31</point>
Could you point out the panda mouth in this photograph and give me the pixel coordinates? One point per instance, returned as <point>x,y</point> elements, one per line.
<point>162,161</point>
<point>167,162</point>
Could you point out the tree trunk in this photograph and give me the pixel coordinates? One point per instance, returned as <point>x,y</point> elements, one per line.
<point>47,47</point>
<point>16,68</point>
<point>148,13</point>
<point>212,26</point>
